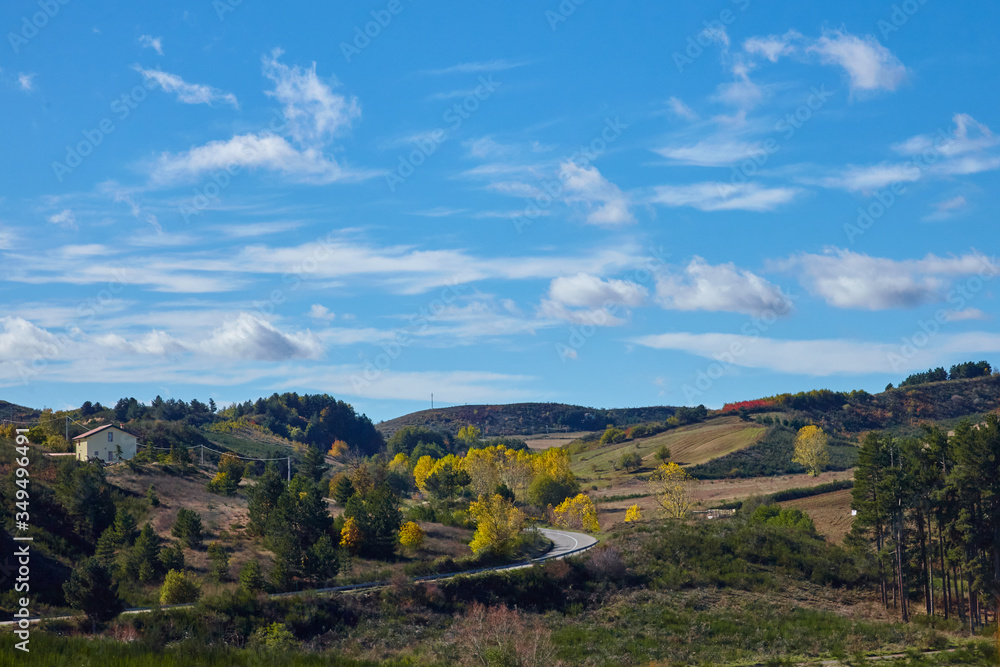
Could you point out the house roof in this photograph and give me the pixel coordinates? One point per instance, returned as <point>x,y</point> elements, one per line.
<point>84,436</point>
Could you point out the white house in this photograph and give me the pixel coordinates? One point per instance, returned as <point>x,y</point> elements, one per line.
<point>102,443</point>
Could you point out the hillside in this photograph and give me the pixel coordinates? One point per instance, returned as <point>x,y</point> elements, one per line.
<point>523,418</point>
<point>14,412</point>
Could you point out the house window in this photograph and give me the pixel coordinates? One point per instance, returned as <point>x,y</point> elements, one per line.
<point>111,436</point>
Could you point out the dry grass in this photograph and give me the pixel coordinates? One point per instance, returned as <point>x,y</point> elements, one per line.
<point>546,441</point>
<point>831,512</point>
<point>712,492</point>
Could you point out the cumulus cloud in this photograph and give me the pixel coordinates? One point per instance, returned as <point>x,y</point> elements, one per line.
<point>22,341</point>
<point>188,93</point>
<point>320,312</point>
<point>251,338</point>
<point>846,279</point>
<point>588,299</point>
<point>723,287</point>
<point>719,196</point>
<point>155,343</point>
<point>606,203</point>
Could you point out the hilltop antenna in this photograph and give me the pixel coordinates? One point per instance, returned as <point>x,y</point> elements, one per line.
<point>432,400</point>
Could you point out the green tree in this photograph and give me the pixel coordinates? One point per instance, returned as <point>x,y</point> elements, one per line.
<point>322,562</point>
<point>125,529</point>
<point>446,481</point>
<point>172,558</point>
<point>342,489</point>
<point>630,461</point>
<point>251,578</point>
<point>219,560</point>
<point>377,516</point>
<point>263,499</point>
<point>314,464</point>
<point>545,491</point>
<point>92,590</point>
<point>154,500</point>
<point>663,454</point>
<point>143,560</point>
<point>187,528</point>
<point>179,588</point>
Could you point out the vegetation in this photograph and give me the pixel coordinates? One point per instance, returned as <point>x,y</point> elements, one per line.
<point>812,449</point>
<point>670,485</point>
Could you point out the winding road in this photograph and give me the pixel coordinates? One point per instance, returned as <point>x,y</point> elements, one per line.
<point>564,543</point>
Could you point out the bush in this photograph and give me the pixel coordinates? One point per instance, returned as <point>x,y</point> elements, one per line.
<point>179,588</point>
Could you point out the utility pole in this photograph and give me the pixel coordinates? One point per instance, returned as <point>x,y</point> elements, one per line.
<point>432,400</point>
<point>203,456</point>
<point>67,428</point>
<point>289,459</point>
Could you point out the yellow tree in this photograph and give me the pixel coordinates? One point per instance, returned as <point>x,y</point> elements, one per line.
<point>411,536</point>
<point>469,435</point>
<point>578,512</point>
<point>351,536</point>
<point>671,487</point>
<point>554,462</point>
<point>811,450</point>
<point>422,471</point>
<point>498,525</point>
<point>633,514</point>
<point>483,469</point>
<point>400,463</point>
<point>517,471</point>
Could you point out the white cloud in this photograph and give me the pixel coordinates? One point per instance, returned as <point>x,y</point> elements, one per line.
<point>65,218</point>
<point>22,341</point>
<point>722,287</point>
<point>966,314</point>
<point>869,65</point>
<point>846,279</point>
<point>743,94</point>
<point>315,114</point>
<point>606,203</point>
<point>772,47</point>
<point>26,81</point>
<point>263,151</point>
<point>154,343</point>
<point>682,110</point>
<point>188,93</point>
<point>712,152</point>
<point>150,42</point>
<point>586,290</point>
<point>868,179</point>
<point>320,312</point>
<point>251,338</point>
<point>947,208</point>
<point>969,136</point>
<point>717,196</point>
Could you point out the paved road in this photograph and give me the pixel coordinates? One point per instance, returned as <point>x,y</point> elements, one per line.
<point>564,543</point>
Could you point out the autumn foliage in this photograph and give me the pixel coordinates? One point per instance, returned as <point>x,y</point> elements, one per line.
<point>579,513</point>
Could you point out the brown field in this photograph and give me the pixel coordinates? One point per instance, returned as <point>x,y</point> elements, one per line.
<point>831,512</point>
<point>711,492</point>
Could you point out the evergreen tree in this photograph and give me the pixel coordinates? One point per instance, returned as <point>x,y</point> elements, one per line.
<point>91,590</point>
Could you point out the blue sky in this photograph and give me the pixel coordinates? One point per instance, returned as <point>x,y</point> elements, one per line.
<point>665,204</point>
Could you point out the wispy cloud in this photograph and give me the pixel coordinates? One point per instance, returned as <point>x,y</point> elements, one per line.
<point>606,203</point>
<point>478,67</point>
<point>188,93</point>
<point>150,42</point>
<point>65,218</point>
<point>26,81</point>
<point>716,196</point>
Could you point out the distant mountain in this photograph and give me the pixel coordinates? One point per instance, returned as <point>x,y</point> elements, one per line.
<point>14,412</point>
<point>523,418</point>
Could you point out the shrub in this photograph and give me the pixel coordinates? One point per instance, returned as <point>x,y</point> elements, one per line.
<point>187,528</point>
<point>179,588</point>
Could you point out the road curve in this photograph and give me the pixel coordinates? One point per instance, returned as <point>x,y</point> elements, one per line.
<point>564,543</point>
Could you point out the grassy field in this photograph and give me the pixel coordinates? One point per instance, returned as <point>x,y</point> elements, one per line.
<point>831,512</point>
<point>688,445</point>
<point>547,440</point>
